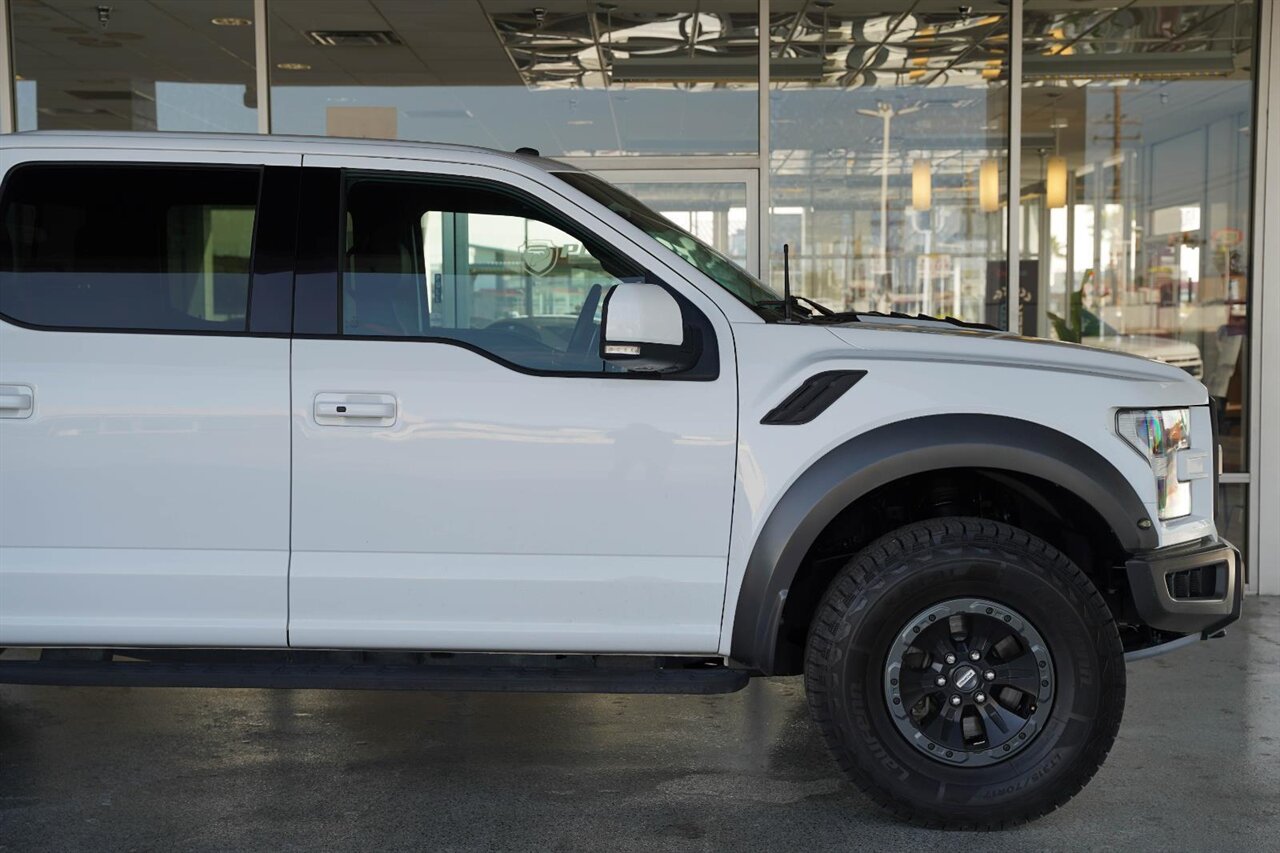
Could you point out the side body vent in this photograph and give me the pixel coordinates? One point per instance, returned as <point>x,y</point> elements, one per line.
<point>813,397</point>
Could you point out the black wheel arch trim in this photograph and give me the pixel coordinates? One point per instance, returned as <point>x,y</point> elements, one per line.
<point>889,453</point>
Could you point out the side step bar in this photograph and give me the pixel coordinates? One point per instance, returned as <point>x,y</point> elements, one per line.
<point>309,674</point>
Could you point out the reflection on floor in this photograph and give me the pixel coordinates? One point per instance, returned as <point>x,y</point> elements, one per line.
<point>1197,767</point>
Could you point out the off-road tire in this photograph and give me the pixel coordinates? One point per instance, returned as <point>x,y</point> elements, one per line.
<point>881,589</point>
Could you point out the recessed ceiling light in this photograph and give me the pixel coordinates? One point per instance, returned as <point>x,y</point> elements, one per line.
<point>293,66</point>
<point>231,22</point>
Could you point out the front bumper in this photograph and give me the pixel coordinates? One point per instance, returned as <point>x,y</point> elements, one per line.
<point>1188,589</point>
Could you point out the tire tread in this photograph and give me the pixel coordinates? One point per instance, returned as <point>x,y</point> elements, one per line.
<point>874,566</point>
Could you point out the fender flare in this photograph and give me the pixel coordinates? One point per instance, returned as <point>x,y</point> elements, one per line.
<point>891,452</point>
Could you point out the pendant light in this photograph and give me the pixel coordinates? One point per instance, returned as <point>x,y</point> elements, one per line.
<point>1055,174</point>
<point>989,185</point>
<point>1055,182</point>
<point>921,184</point>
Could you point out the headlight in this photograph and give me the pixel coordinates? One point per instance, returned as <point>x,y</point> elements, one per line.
<point>1159,434</point>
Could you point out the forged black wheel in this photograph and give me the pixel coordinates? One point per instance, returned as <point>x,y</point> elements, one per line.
<point>965,674</point>
<point>969,681</point>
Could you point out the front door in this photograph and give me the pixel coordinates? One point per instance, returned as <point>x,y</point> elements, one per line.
<point>467,473</point>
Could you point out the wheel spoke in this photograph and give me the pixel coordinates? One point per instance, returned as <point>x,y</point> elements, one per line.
<point>945,728</point>
<point>1000,723</point>
<point>1022,672</point>
<point>982,634</point>
<point>914,685</point>
<point>941,648</point>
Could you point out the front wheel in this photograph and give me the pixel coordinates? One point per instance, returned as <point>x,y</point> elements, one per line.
<point>965,674</point>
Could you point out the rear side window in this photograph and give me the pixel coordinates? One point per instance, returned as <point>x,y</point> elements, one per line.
<point>163,248</point>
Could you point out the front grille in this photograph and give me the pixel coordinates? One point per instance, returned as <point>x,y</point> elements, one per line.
<point>1201,583</point>
<point>1194,366</point>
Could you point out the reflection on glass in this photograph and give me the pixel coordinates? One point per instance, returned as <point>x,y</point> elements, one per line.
<point>1136,186</point>
<point>888,134</point>
<point>703,257</point>
<point>1233,520</point>
<point>714,212</point>
<point>134,66</point>
<point>158,248</point>
<point>462,262</point>
<point>563,76</point>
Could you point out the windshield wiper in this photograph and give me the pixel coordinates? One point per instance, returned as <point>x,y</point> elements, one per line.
<point>806,308</point>
<point>789,302</point>
<point>802,309</point>
<point>856,316</point>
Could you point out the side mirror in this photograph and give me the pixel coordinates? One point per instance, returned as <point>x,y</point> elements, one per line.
<point>642,329</point>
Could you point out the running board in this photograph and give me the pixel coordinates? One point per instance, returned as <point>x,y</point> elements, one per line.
<point>705,679</point>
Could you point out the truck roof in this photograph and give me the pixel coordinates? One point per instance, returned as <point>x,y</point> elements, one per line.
<point>252,142</point>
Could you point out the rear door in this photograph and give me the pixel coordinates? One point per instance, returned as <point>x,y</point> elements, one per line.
<point>144,393</point>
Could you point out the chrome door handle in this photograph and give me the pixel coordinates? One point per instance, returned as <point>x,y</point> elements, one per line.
<point>338,409</point>
<point>16,401</point>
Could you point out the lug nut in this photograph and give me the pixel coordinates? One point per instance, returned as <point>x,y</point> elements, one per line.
<point>950,658</point>
<point>989,675</point>
<point>941,681</point>
<point>956,700</point>
<point>975,655</point>
<point>979,697</point>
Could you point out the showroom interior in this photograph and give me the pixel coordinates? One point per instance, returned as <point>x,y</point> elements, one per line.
<point>1123,156</point>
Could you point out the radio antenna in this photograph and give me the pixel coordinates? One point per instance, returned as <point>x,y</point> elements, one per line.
<point>786,283</point>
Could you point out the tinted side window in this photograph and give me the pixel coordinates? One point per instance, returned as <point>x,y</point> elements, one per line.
<point>481,266</point>
<point>128,247</point>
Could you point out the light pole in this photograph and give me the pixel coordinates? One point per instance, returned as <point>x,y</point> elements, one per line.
<point>886,113</point>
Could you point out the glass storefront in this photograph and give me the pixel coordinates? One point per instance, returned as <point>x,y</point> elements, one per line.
<point>1137,155</point>
<point>887,161</point>
<point>134,65</point>
<point>880,141</point>
<point>565,77</point>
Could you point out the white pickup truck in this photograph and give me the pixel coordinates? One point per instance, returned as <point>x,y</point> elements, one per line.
<point>313,413</point>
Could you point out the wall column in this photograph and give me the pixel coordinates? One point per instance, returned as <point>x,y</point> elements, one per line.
<point>262,64</point>
<point>8,84</point>
<point>1264,393</point>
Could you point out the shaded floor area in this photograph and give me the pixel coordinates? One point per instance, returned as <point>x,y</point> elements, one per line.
<point>1197,767</point>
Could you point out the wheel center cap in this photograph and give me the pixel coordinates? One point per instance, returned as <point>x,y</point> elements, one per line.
<point>965,677</point>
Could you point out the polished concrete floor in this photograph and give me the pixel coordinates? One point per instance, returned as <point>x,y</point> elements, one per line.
<point>1197,767</point>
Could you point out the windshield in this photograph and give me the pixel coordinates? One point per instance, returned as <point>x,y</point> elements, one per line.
<point>709,262</point>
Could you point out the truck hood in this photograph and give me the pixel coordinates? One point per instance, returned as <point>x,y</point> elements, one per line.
<point>942,341</point>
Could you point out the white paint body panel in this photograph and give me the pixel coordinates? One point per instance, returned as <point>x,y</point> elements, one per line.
<point>915,373</point>
<point>503,511</point>
<point>146,500</point>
